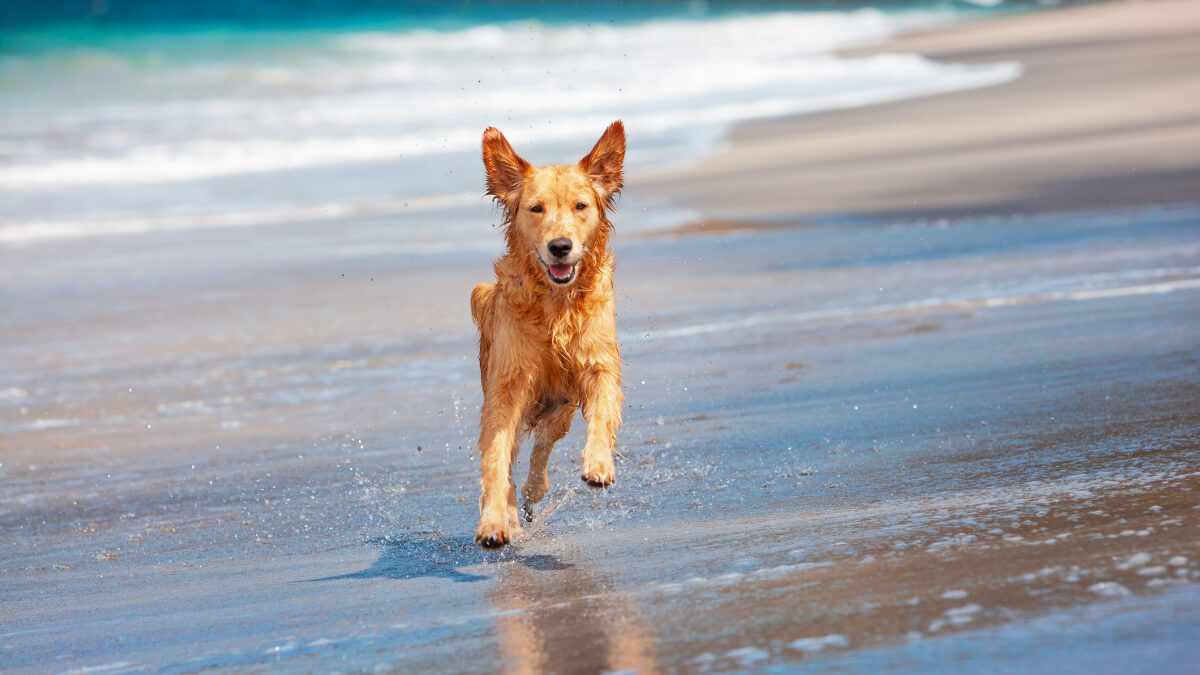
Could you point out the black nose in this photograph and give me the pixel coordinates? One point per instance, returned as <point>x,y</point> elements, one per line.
<point>560,247</point>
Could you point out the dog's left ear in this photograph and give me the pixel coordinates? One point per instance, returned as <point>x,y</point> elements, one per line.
<point>604,163</point>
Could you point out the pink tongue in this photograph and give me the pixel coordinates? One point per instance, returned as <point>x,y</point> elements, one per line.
<point>560,271</point>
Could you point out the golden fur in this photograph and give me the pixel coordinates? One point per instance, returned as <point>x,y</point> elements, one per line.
<point>547,346</point>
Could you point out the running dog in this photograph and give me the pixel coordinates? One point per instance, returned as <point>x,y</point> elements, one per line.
<point>547,326</point>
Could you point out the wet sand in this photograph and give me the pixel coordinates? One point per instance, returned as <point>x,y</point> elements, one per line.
<point>863,444</point>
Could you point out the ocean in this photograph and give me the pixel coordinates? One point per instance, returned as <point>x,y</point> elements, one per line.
<point>122,117</point>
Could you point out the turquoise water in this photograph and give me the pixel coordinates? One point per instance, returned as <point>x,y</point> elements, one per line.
<point>398,14</point>
<point>124,117</point>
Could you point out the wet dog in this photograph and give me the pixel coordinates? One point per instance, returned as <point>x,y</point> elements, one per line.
<point>547,326</point>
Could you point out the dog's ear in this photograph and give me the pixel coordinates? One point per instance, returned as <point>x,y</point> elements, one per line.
<point>603,164</point>
<point>505,169</point>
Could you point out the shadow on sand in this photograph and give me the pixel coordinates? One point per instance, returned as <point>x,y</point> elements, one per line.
<point>428,554</point>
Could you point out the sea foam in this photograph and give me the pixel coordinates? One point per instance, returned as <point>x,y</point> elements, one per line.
<point>384,116</point>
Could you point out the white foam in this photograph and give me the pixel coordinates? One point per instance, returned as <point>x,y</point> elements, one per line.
<point>102,668</point>
<point>42,230</point>
<point>876,79</point>
<point>1109,589</point>
<point>51,423</point>
<point>816,644</point>
<point>953,303</point>
<point>748,655</point>
<point>380,96</point>
<point>207,158</point>
<point>736,578</point>
<point>1135,560</point>
<point>279,649</point>
<point>960,615</point>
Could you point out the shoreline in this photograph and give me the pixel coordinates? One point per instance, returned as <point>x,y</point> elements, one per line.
<point>1101,118</point>
<point>844,442</point>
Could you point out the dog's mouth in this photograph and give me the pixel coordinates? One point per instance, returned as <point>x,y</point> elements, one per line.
<point>561,273</point>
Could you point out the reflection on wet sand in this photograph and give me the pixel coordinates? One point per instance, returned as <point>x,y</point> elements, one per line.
<point>551,615</point>
<point>568,620</point>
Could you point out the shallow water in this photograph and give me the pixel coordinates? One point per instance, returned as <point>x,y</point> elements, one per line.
<point>857,446</point>
<point>153,118</point>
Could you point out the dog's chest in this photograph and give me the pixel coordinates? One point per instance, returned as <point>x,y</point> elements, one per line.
<point>562,330</point>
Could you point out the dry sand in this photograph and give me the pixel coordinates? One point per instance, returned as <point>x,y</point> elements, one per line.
<point>1107,113</point>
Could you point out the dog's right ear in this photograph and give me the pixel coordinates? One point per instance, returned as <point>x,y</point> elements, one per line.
<point>505,169</point>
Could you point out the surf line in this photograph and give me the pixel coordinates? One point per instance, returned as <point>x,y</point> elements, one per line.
<point>929,305</point>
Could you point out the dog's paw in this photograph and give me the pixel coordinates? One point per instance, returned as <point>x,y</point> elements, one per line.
<point>535,490</point>
<point>495,535</point>
<point>599,473</point>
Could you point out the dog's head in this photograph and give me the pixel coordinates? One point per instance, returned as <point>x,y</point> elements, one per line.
<point>557,213</point>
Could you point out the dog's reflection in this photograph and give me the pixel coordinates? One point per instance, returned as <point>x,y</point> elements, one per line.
<point>568,620</point>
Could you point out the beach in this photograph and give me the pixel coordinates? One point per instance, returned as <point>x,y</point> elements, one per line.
<point>1105,105</point>
<point>912,386</point>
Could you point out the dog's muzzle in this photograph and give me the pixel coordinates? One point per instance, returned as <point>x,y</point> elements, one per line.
<point>560,272</point>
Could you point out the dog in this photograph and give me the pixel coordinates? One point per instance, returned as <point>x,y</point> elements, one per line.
<point>547,326</point>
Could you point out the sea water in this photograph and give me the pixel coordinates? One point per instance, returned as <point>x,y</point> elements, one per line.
<point>137,117</point>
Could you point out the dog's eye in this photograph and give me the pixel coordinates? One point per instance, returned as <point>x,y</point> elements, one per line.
<point>580,206</point>
<point>536,208</point>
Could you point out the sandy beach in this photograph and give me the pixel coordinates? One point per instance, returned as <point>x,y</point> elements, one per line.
<point>1106,113</point>
<point>924,397</point>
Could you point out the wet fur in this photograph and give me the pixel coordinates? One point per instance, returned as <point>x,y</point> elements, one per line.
<point>547,350</point>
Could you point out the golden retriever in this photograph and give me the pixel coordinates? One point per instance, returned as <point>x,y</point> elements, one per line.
<point>547,326</point>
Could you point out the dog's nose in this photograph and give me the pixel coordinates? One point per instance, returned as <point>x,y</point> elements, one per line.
<point>560,247</point>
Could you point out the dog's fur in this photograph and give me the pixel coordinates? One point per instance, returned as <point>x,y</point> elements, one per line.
<point>547,340</point>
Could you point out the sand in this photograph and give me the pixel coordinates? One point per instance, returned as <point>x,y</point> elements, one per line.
<point>1106,113</point>
<point>866,443</point>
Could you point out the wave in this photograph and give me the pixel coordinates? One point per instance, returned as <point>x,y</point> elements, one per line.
<point>41,230</point>
<point>884,78</point>
<point>411,104</point>
<point>1087,287</point>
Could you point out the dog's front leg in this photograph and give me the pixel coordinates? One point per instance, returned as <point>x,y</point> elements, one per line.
<point>504,402</point>
<point>602,410</point>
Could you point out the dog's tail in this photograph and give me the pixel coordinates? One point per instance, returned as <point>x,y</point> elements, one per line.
<point>481,301</point>
<point>481,306</point>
